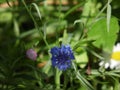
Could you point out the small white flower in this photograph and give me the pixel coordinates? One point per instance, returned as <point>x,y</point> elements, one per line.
<point>114,62</point>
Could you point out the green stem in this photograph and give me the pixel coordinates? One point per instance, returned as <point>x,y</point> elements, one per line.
<point>65,81</point>
<point>36,25</point>
<point>57,79</point>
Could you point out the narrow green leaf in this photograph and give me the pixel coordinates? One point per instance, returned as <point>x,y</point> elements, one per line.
<point>108,16</point>
<point>16,28</point>
<point>82,80</point>
<point>73,9</point>
<point>24,34</point>
<point>78,21</point>
<point>65,37</point>
<point>37,9</point>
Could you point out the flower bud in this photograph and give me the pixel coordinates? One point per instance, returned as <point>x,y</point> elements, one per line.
<point>31,54</point>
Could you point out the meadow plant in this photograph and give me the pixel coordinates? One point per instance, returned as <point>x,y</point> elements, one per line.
<point>59,45</point>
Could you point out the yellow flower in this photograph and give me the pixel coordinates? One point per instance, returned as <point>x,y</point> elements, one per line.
<point>115,59</point>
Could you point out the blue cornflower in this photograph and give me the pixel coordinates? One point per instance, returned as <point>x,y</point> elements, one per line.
<point>62,57</point>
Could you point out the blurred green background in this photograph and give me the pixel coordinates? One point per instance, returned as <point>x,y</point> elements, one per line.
<point>91,27</point>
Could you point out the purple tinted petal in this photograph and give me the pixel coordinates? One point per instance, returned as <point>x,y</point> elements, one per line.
<point>31,54</point>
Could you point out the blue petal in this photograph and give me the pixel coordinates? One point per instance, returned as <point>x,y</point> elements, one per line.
<point>54,51</point>
<point>62,67</point>
<point>61,57</point>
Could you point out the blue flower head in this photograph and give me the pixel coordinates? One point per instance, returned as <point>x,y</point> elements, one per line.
<point>62,57</point>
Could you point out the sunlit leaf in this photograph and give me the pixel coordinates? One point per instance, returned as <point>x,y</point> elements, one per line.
<point>104,39</point>
<point>82,59</point>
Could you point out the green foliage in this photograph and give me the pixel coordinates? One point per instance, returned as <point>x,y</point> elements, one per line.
<point>90,27</point>
<point>103,38</point>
